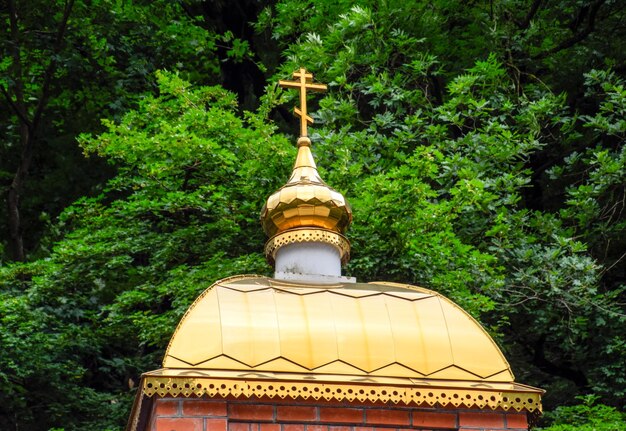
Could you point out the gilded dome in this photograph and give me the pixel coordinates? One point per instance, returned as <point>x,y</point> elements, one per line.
<point>306,201</point>
<point>252,324</point>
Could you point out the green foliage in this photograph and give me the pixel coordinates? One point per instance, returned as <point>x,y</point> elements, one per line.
<point>468,170</point>
<point>586,416</point>
<point>595,205</point>
<point>44,360</point>
<point>443,182</point>
<point>556,42</point>
<point>181,213</point>
<point>63,82</point>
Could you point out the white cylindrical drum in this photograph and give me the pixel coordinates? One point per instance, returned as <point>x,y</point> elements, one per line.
<point>310,258</point>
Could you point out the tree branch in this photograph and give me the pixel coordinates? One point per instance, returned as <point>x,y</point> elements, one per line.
<point>530,15</point>
<point>15,108</point>
<point>568,43</point>
<point>49,73</point>
<point>17,63</point>
<point>563,370</point>
<point>27,128</point>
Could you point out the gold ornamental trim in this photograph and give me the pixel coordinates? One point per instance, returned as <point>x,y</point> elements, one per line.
<point>408,395</point>
<point>305,235</point>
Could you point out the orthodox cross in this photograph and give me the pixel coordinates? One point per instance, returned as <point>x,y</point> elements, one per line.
<point>304,82</point>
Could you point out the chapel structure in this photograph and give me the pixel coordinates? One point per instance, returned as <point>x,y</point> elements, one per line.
<point>312,350</point>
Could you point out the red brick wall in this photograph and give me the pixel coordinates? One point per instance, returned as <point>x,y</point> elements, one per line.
<point>193,414</point>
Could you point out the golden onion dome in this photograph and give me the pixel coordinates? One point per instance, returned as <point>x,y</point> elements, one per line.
<point>305,209</point>
<point>306,201</point>
<point>251,324</point>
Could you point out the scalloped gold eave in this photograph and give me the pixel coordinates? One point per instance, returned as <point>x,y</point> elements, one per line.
<point>419,396</point>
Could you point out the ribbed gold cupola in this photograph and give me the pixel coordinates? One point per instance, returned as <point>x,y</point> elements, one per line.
<point>305,209</point>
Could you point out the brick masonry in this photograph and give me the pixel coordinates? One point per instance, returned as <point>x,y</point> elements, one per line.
<point>193,414</point>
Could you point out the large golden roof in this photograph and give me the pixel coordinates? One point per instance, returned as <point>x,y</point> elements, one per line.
<point>257,324</point>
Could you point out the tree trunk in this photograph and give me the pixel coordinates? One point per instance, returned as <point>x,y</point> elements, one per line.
<point>16,242</point>
<point>28,126</point>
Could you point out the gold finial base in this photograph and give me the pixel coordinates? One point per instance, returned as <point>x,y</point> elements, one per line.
<point>304,141</point>
<point>301,235</point>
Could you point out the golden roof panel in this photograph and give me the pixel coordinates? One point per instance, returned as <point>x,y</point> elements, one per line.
<point>257,324</point>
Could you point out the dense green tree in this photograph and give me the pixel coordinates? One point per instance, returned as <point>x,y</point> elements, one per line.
<point>556,41</point>
<point>439,210</point>
<point>182,212</point>
<point>480,145</point>
<point>385,94</point>
<point>586,416</point>
<point>66,64</point>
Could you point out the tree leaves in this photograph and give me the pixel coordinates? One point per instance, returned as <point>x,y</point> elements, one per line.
<point>467,170</point>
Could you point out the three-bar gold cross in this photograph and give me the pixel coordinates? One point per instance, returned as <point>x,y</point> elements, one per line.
<point>304,82</point>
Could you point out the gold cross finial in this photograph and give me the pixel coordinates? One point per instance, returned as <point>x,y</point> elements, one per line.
<point>304,82</point>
